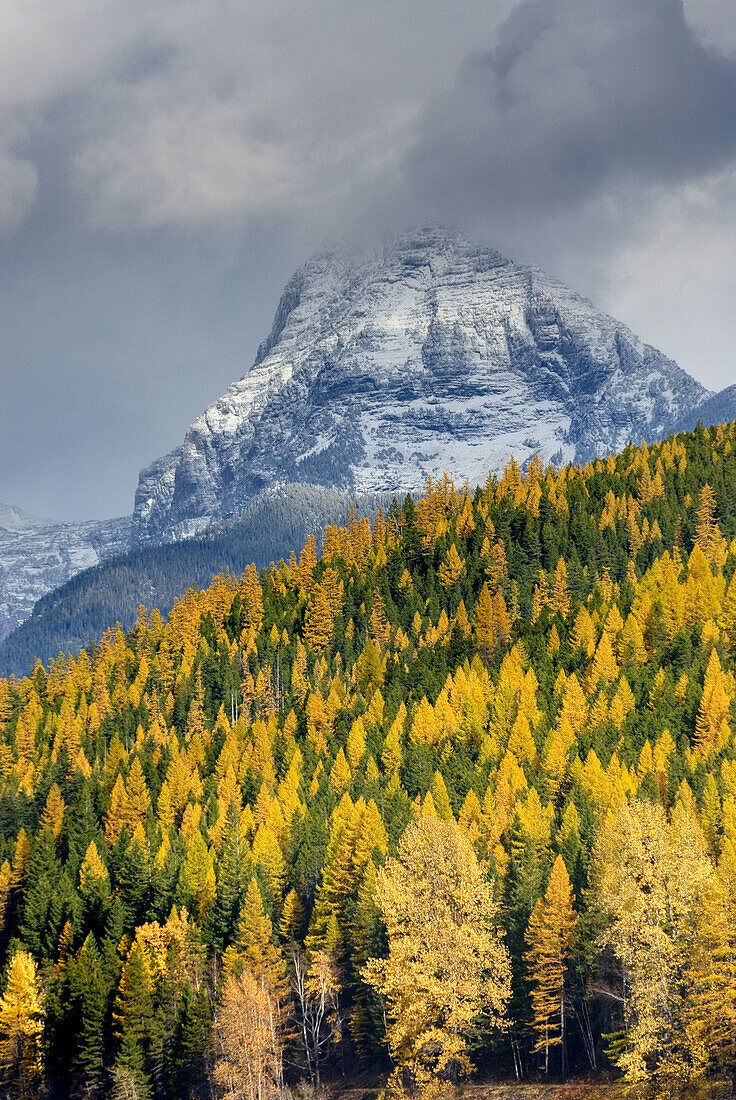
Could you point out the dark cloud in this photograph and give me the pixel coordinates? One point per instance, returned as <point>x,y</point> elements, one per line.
<point>163,167</point>
<point>577,96</point>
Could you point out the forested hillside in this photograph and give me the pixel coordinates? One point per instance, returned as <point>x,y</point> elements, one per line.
<point>67,618</point>
<point>459,793</point>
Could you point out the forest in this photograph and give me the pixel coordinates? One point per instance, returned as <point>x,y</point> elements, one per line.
<point>454,796</point>
<point>67,618</point>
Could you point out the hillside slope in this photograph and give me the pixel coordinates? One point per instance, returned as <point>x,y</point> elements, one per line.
<point>541,675</point>
<point>67,618</point>
<point>718,408</point>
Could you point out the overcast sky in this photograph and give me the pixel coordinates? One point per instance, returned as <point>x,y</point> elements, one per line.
<point>164,166</point>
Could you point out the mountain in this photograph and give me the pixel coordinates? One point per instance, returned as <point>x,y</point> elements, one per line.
<point>382,367</point>
<point>65,619</point>
<point>434,354</point>
<point>716,408</point>
<point>37,555</point>
<point>13,518</point>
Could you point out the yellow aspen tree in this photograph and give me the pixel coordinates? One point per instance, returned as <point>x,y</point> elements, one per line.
<point>711,813</point>
<point>250,1048</point>
<point>316,985</point>
<point>445,965</point>
<point>550,939</point>
<point>651,876</point>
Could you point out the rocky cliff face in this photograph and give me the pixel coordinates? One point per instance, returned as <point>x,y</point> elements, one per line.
<point>434,354</point>
<point>36,556</point>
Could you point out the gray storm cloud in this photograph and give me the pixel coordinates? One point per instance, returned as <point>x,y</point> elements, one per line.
<point>576,96</point>
<point>165,166</point>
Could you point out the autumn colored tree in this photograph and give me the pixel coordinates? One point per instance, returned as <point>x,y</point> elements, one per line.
<point>708,534</point>
<point>653,875</point>
<point>249,1043</point>
<point>21,1022</point>
<point>550,942</point>
<point>446,964</point>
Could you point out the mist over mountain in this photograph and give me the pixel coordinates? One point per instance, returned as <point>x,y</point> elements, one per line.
<point>434,354</point>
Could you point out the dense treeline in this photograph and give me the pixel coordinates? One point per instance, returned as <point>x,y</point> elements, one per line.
<point>458,793</point>
<point>66,619</point>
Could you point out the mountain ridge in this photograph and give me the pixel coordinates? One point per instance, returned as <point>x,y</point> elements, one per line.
<point>434,354</point>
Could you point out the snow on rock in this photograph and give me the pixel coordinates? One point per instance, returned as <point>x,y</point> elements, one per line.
<point>433,354</point>
<point>38,555</point>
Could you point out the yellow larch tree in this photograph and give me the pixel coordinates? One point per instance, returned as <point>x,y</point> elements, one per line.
<point>707,532</point>
<point>712,725</point>
<point>318,620</point>
<point>254,949</point>
<point>116,817</point>
<point>52,817</point>
<point>451,568</point>
<point>21,1021</point>
<point>550,939</point>
<point>560,597</point>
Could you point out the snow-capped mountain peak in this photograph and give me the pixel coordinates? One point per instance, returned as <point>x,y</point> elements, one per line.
<point>385,366</point>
